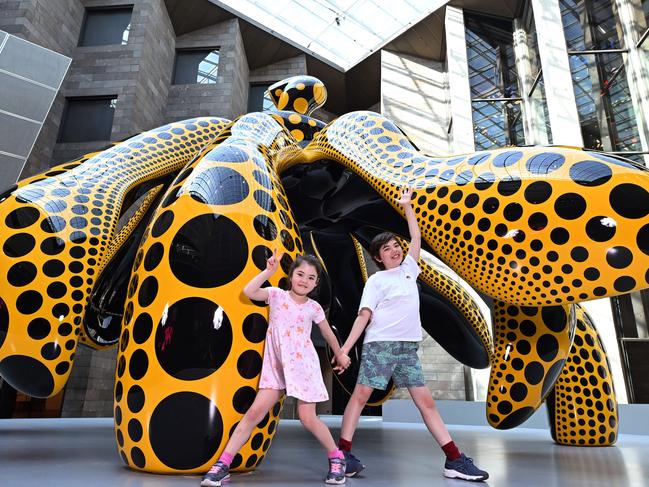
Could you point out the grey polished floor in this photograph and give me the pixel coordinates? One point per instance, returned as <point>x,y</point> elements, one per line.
<point>81,452</point>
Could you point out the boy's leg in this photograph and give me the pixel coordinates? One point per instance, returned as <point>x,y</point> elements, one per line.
<point>220,471</point>
<point>311,421</point>
<point>426,405</point>
<point>457,464</point>
<point>352,413</point>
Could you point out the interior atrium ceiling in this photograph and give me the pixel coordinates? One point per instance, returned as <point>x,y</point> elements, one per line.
<point>340,33</point>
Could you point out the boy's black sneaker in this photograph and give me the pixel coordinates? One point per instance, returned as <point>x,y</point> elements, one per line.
<point>463,468</point>
<point>352,464</point>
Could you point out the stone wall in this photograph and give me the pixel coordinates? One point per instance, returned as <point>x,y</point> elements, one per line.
<point>138,73</point>
<point>414,95</point>
<point>228,97</point>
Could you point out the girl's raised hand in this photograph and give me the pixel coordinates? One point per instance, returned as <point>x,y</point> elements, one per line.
<point>273,262</point>
<point>406,197</point>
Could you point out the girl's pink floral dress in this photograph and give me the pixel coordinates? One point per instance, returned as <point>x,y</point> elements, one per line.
<point>290,360</point>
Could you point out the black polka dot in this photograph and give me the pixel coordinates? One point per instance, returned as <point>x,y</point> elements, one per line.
<point>162,224</point>
<point>38,328</point>
<point>504,407</point>
<point>590,173</point>
<point>249,364</point>
<point>630,200</point>
<point>534,373</point>
<point>554,317</point>
<point>243,399</point>
<point>192,257</point>
<point>29,302</point>
<point>185,430</point>
<point>62,367</point>
<point>142,328</point>
<point>138,364</point>
<point>619,257</point>
<point>265,227</point>
<point>22,217</point>
<point>21,274</point>
<point>600,228</point>
<point>559,236</point>
<point>28,375</point>
<point>490,205</point>
<point>135,399</point>
<point>137,456</point>
<point>50,351</point>
<point>153,256</point>
<point>260,254</point>
<point>135,430</point>
<point>624,284</point>
<point>254,327</point>
<point>287,240</point>
<point>508,158</point>
<point>262,179</point>
<point>19,245</point>
<point>518,392</point>
<point>196,351</point>
<point>218,186</point>
<point>545,163</point>
<point>570,206</point>
<point>264,200</point>
<point>537,221</point>
<point>513,211</point>
<point>547,347</point>
<point>538,192</point>
<point>148,291</point>
<point>53,224</point>
<point>643,239</point>
<point>256,441</point>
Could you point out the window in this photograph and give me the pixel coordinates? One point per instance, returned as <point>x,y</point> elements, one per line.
<point>87,119</point>
<point>606,113</point>
<point>497,120</point>
<point>106,26</point>
<point>258,101</point>
<point>196,66</point>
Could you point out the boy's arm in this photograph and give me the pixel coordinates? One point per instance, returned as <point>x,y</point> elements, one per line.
<point>358,327</point>
<point>253,289</point>
<point>340,357</point>
<point>413,228</point>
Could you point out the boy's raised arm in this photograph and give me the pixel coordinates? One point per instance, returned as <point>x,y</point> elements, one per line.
<point>413,228</point>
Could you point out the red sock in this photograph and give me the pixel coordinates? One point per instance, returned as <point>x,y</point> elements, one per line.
<point>344,445</point>
<point>451,451</point>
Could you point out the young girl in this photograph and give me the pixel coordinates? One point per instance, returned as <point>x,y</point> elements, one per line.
<point>290,363</point>
<point>391,299</point>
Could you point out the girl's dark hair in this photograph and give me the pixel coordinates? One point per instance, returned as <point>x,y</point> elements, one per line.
<point>375,246</point>
<point>305,259</point>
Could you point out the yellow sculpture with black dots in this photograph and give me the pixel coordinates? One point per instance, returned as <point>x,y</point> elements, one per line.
<point>168,226</point>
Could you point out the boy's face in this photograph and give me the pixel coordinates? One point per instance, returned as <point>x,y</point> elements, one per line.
<point>390,254</point>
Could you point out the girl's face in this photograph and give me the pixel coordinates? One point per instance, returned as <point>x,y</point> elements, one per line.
<point>304,279</point>
<point>390,254</point>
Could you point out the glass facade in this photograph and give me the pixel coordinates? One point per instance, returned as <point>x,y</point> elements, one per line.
<point>258,101</point>
<point>493,81</point>
<point>597,63</point>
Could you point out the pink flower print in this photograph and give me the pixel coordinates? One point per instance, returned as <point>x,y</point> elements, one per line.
<point>300,329</point>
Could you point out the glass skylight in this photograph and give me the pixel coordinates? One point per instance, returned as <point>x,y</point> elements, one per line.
<point>339,32</point>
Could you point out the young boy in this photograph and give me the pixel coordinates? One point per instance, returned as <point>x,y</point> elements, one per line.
<point>391,300</point>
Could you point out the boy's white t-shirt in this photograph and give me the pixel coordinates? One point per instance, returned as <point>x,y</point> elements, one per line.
<point>393,298</point>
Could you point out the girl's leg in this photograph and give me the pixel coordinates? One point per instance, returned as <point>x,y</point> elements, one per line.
<point>263,402</point>
<point>426,405</point>
<point>356,403</point>
<point>311,421</point>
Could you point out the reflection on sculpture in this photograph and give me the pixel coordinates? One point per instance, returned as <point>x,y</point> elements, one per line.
<point>537,229</point>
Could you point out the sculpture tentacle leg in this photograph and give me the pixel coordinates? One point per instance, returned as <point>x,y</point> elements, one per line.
<point>582,408</point>
<point>531,346</point>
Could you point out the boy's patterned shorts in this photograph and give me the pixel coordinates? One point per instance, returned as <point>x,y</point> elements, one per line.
<point>382,360</point>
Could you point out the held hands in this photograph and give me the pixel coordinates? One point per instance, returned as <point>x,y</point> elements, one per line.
<point>273,262</point>
<point>405,198</point>
<point>342,361</point>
